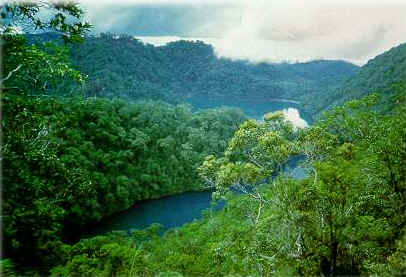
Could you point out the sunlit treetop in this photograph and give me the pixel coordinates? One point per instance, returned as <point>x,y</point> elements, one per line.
<point>278,115</point>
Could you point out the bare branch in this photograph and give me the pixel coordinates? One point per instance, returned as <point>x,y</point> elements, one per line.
<point>259,212</point>
<point>11,73</point>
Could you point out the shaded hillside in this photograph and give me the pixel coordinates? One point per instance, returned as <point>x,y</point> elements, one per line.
<point>378,75</point>
<point>121,66</point>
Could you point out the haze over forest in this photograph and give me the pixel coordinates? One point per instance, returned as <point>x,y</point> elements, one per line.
<point>271,31</point>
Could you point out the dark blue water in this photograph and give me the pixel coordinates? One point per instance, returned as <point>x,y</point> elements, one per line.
<point>170,211</point>
<point>175,211</point>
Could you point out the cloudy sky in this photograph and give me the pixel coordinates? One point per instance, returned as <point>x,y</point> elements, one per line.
<point>262,30</point>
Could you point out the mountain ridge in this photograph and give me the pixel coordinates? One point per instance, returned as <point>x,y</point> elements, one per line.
<point>189,71</point>
<point>122,66</point>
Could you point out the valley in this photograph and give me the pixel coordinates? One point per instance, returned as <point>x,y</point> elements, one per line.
<point>123,158</point>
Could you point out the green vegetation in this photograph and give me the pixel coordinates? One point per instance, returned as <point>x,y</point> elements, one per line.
<point>63,18</point>
<point>69,162</point>
<point>38,70</point>
<point>379,74</point>
<point>121,66</point>
<point>75,150</point>
<point>345,218</point>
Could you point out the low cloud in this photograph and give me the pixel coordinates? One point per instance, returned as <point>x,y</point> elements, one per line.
<point>271,30</point>
<point>161,19</point>
<point>293,115</point>
<point>311,30</point>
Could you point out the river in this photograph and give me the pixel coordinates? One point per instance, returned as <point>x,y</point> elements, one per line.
<point>253,108</point>
<point>170,211</point>
<point>174,211</point>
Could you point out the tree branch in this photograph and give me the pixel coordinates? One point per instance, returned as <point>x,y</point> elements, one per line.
<point>11,73</point>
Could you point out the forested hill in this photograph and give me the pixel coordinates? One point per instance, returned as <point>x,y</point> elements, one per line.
<point>69,161</point>
<point>121,66</point>
<point>126,67</point>
<point>378,75</point>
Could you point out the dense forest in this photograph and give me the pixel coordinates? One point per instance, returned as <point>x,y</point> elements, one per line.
<point>77,160</point>
<point>92,125</point>
<point>347,217</point>
<point>379,74</point>
<point>71,160</point>
<point>122,66</point>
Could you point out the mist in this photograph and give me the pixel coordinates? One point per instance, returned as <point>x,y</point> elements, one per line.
<point>267,31</point>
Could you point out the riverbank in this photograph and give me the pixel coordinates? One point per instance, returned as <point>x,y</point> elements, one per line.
<point>169,211</point>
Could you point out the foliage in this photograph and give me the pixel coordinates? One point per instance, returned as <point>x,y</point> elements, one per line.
<point>38,69</point>
<point>345,218</point>
<point>382,74</point>
<point>255,153</point>
<point>346,215</point>
<point>70,162</point>
<point>120,65</point>
<point>201,248</point>
<point>64,17</point>
<point>44,68</point>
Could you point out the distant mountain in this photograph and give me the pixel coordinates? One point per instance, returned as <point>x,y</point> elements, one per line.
<point>121,66</point>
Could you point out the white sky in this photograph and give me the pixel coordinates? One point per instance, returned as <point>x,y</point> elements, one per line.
<point>273,30</point>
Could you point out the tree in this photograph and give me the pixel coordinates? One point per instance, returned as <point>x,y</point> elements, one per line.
<point>344,216</point>
<point>43,69</point>
<point>257,152</point>
<point>63,17</point>
<point>39,69</point>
